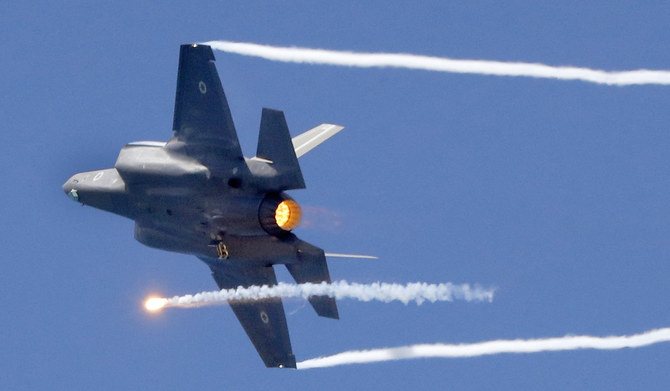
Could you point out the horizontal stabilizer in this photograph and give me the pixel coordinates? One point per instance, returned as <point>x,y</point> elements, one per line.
<point>308,140</point>
<point>352,256</point>
<point>312,267</point>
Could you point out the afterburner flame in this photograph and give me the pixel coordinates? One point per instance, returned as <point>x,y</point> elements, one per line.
<point>155,303</point>
<point>288,215</point>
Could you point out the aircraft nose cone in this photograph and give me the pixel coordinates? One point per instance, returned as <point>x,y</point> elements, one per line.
<point>70,188</point>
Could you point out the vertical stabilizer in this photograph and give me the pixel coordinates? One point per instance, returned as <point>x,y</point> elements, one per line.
<point>275,145</point>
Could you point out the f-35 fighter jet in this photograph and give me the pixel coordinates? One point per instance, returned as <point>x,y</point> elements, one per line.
<point>197,194</point>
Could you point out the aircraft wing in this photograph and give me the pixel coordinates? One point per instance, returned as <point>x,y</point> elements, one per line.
<point>202,118</point>
<point>264,321</point>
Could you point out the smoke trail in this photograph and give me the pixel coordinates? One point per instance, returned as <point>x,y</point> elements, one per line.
<point>418,292</point>
<point>489,348</point>
<point>441,64</point>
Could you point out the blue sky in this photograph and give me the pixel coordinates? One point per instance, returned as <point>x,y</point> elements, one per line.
<point>554,192</point>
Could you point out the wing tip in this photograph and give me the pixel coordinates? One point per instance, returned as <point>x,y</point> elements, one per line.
<point>286,362</point>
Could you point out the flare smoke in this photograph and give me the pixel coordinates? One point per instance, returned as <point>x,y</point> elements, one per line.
<point>418,292</point>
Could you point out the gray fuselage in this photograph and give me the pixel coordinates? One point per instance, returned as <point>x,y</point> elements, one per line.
<point>178,205</point>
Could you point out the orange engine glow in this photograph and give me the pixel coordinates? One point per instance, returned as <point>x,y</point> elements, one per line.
<point>288,215</point>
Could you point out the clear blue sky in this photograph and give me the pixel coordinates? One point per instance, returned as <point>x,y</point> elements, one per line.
<point>555,192</point>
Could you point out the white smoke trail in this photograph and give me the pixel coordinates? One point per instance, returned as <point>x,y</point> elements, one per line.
<point>441,64</point>
<point>418,292</point>
<point>489,348</point>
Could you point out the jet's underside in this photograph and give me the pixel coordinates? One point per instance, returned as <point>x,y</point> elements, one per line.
<point>197,194</point>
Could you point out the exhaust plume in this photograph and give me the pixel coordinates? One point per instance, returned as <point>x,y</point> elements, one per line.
<point>490,348</point>
<point>442,64</point>
<point>417,292</point>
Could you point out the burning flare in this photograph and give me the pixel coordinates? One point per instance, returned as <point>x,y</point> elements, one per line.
<point>155,303</point>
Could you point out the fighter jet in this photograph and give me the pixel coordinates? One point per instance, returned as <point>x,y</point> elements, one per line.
<point>197,194</point>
